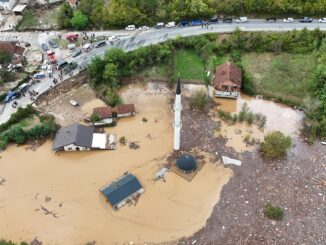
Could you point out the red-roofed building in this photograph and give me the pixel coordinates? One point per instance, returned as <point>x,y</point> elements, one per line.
<point>105,115</point>
<point>12,48</point>
<point>124,110</point>
<point>228,80</point>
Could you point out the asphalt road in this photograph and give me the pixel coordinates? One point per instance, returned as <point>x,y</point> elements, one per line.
<point>135,39</point>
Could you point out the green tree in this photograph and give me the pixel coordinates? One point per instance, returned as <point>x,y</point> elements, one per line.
<point>5,57</point>
<point>79,21</point>
<point>111,75</point>
<point>95,70</point>
<point>16,135</point>
<point>275,145</point>
<point>97,13</point>
<point>64,15</point>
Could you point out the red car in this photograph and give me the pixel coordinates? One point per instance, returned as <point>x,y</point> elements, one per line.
<point>72,37</point>
<point>51,56</point>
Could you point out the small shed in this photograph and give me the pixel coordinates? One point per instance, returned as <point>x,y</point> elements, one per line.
<point>105,115</point>
<point>122,190</point>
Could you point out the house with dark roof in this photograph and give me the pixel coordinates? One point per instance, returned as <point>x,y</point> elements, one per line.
<point>104,114</point>
<point>125,110</point>
<point>228,80</point>
<point>77,137</point>
<point>123,190</point>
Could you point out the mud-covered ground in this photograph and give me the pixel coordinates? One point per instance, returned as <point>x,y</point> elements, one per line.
<point>297,184</point>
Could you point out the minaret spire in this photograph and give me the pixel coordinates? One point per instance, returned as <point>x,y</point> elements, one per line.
<point>177,116</point>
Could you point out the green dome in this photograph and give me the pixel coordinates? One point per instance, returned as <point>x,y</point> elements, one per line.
<point>187,163</point>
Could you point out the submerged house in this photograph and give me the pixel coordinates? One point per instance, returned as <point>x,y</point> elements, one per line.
<point>122,190</point>
<point>104,114</point>
<point>228,80</point>
<point>77,137</point>
<point>125,110</point>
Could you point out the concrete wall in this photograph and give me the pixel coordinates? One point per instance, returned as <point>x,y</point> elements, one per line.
<point>125,115</point>
<point>73,147</point>
<point>124,202</point>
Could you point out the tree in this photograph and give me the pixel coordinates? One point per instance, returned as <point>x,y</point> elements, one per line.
<point>5,57</point>
<point>64,15</point>
<point>111,75</point>
<point>17,135</point>
<point>79,21</point>
<point>275,145</point>
<point>97,13</point>
<point>95,70</point>
<point>112,97</point>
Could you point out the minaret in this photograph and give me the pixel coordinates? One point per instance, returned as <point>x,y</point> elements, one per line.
<point>177,117</point>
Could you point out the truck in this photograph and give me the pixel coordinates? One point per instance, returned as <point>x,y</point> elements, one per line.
<point>51,56</point>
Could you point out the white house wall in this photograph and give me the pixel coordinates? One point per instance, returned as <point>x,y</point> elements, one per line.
<point>73,147</point>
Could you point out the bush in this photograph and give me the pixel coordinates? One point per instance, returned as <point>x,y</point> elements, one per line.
<point>16,135</point>
<point>95,117</point>
<point>273,212</point>
<point>41,131</point>
<point>4,242</point>
<point>275,145</point>
<point>199,100</point>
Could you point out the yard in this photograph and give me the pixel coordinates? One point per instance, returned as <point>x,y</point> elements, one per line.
<point>189,65</point>
<point>284,76</point>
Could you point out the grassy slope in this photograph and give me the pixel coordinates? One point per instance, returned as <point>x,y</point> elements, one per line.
<point>189,65</point>
<point>284,75</point>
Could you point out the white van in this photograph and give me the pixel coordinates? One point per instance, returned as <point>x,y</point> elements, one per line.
<point>130,28</point>
<point>170,24</point>
<point>159,25</point>
<point>242,19</point>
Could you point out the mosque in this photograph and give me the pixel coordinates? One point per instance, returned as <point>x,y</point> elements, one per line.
<point>186,164</point>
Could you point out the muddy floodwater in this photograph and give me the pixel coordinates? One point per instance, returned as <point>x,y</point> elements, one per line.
<point>278,117</point>
<point>67,185</point>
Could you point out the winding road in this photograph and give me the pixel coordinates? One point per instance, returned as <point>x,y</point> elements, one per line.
<point>135,39</point>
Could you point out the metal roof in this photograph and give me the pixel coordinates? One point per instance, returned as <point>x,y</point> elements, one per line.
<point>77,134</point>
<point>121,189</point>
<point>187,163</point>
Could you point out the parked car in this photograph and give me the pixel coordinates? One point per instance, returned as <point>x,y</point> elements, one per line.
<point>100,44</point>
<point>271,19</point>
<point>113,38</point>
<point>87,47</point>
<point>306,20</point>
<point>52,44</point>
<point>213,20</point>
<point>227,20</point>
<point>322,20</point>
<point>10,67</point>
<point>11,95</point>
<point>144,28</point>
<point>159,25</point>
<point>44,47</point>
<point>130,28</point>
<point>288,20</point>
<point>24,87</point>
<point>51,56</point>
<point>61,64</point>
<point>184,23</point>
<point>73,103</point>
<point>72,37</point>
<point>27,44</point>
<point>196,22</point>
<point>39,75</point>
<point>170,24</point>
<point>76,53</point>
<point>242,19</point>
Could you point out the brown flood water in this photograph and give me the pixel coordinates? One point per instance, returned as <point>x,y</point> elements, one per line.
<point>278,116</point>
<point>166,211</point>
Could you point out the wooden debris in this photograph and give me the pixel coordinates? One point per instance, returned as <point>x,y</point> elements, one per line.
<point>133,145</point>
<point>2,180</point>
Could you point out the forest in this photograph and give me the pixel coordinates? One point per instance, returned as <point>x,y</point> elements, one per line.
<point>119,13</point>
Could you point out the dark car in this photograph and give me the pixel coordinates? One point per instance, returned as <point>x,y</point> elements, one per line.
<point>271,19</point>
<point>213,20</point>
<point>52,44</point>
<point>196,22</point>
<point>306,20</point>
<point>227,20</point>
<point>100,44</point>
<point>45,47</point>
<point>184,23</point>
<point>76,53</point>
